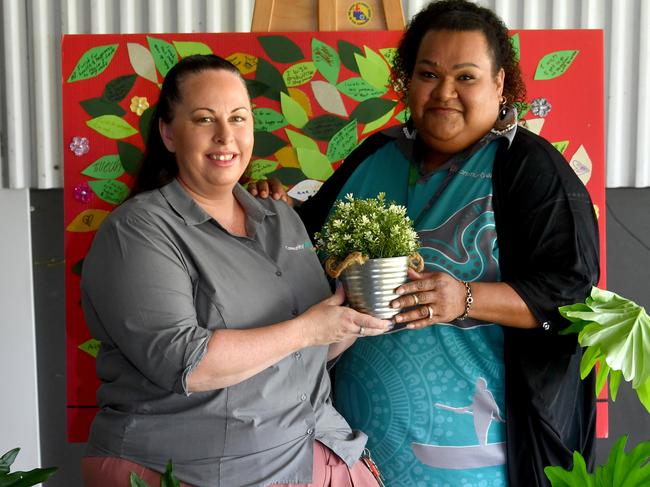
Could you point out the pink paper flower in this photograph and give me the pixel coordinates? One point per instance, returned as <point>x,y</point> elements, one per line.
<point>82,193</point>
<point>79,145</point>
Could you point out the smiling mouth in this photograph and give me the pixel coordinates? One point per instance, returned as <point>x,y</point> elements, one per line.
<point>221,157</point>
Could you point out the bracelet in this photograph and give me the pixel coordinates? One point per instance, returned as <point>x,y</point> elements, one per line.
<point>468,301</point>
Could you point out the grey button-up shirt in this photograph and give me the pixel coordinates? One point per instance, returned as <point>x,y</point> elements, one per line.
<point>160,276</point>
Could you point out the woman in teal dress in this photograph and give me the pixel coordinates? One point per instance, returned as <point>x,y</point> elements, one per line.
<point>475,387</point>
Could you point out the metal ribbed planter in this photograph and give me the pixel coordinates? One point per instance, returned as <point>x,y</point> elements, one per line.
<point>370,287</point>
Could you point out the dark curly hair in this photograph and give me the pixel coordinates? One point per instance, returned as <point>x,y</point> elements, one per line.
<point>459,16</point>
<point>159,166</point>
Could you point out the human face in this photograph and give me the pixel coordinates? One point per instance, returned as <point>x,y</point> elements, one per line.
<point>453,93</point>
<point>211,132</point>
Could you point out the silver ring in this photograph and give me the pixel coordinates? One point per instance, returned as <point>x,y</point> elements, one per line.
<point>430,312</point>
<point>361,330</point>
<point>417,301</point>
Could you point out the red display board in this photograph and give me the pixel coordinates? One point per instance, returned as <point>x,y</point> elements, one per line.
<point>315,96</point>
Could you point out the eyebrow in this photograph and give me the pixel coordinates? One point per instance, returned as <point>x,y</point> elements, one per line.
<point>455,66</point>
<point>213,112</point>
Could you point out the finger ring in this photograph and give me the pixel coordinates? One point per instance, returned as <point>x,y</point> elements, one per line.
<point>415,298</point>
<point>361,330</point>
<point>430,312</point>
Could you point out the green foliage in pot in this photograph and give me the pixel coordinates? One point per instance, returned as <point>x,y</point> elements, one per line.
<point>166,480</point>
<point>21,479</point>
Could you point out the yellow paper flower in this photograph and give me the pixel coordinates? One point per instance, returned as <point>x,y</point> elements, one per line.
<point>139,104</point>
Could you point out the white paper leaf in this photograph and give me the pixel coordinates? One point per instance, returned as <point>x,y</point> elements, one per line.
<point>328,97</point>
<point>142,61</point>
<point>304,189</point>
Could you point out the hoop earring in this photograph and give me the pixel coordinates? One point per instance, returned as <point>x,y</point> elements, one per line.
<point>507,118</point>
<point>503,108</point>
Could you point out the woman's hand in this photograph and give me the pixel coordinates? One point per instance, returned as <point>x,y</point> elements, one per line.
<point>434,297</point>
<point>271,187</point>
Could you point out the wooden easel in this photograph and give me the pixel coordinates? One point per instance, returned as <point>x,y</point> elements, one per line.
<point>327,15</point>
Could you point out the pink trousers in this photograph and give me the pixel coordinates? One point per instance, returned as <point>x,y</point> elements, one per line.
<point>329,471</point>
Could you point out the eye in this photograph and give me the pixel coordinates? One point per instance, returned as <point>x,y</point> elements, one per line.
<point>238,118</point>
<point>466,77</point>
<point>427,74</point>
<point>205,120</point>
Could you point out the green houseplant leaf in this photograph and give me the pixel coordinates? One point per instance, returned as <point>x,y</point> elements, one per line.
<point>19,478</point>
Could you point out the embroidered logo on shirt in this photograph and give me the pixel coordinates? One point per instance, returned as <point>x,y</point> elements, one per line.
<point>477,175</point>
<point>307,245</point>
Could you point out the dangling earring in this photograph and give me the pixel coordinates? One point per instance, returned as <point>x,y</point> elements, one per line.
<point>503,108</point>
<point>507,118</point>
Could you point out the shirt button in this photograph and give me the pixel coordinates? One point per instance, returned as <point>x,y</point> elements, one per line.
<point>278,273</point>
<point>297,354</point>
<point>310,431</point>
<point>546,325</point>
<point>303,397</point>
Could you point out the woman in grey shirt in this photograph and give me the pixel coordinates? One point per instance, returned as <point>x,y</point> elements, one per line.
<point>214,315</point>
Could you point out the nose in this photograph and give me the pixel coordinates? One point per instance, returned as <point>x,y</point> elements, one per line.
<point>445,89</point>
<point>223,132</point>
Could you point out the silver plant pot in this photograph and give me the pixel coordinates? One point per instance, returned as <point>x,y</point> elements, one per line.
<point>370,287</point>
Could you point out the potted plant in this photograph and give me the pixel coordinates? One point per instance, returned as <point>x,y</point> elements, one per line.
<point>369,246</point>
<point>21,479</point>
<point>616,334</point>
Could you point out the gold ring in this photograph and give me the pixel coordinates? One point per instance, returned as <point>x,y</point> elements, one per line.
<point>415,298</point>
<point>361,330</point>
<point>430,312</point>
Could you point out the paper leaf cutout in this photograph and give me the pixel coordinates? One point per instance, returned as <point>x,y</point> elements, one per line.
<point>269,75</point>
<point>164,54</point>
<point>301,97</point>
<point>299,74</point>
<point>292,111</point>
<point>111,126</point>
<point>314,164</point>
<point>581,164</point>
<point>260,168</point>
<point>96,107</point>
<point>245,63</point>
<point>343,142</point>
<point>281,49</point>
<point>299,140</point>
<point>561,146</point>
<point>403,115</point>
<point>328,97</point>
<point>268,120</point>
<point>118,88</point>
<point>359,89</point>
<point>142,61</point>
<point>266,144</point>
<point>145,122</point>
<point>91,347</point>
<point>93,62</point>
<point>131,157</point>
<point>305,189</point>
<point>522,108</point>
<point>324,127</point>
<point>255,88</point>
<point>554,64</point>
<point>106,167</point>
<point>288,175</point>
<point>389,54</point>
<point>535,125</point>
<point>370,110</point>
<point>185,49</point>
<point>287,157</point>
<point>347,52</point>
<point>87,221</point>
<point>110,190</point>
<point>373,68</point>
<point>380,122</point>
<point>515,45</point>
<point>326,59</point>
<point>77,268</point>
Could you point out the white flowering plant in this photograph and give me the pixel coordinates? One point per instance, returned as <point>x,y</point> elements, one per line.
<point>369,227</point>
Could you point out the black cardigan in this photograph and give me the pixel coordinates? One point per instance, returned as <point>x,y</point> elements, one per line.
<point>549,253</point>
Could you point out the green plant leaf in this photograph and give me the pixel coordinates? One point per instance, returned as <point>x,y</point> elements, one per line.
<point>111,126</point>
<point>373,69</point>
<point>106,167</point>
<point>267,144</point>
<point>314,164</point>
<point>299,74</point>
<point>293,111</point>
<point>25,479</point>
<point>615,377</point>
<point>555,64</point>
<point>145,123</point>
<point>589,358</point>
<point>372,109</point>
<point>324,127</point>
<point>359,89</point>
<point>516,46</point>
<point>131,157</point>
<point>288,175</point>
<point>96,107</point>
<point>168,479</point>
<point>268,120</point>
<point>299,140</point>
<point>110,190</point>
<point>643,391</point>
<point>118,88</point>
<point>347,51</point>
<point>281,49</point>
<point>326,60</point>
<point>269,75</point>
<point>136,481</point>
<point>185,49</point>
<point>601,376</point>
<point>379,122</point>
<point>343,142</point>
<point>93,62</point>
<point>164,54</point>
<point>259,168</point>
<point>7,460</point>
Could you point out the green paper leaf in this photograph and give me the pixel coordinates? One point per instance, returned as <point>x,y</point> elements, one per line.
<point>269,75</point>
<point>403,115</point>
<point>110,190</point>
<point>106,167</point>
<point>522,109</point>
<point>185,49</point>
<point>111,126</point>
<point>267,144</point>
<point>145,123</point>
<point>299,74</point>
<point>347,52</point>
<point>343,142</point>
<point>293,111</point>
<point>256,88</point>
<point>281,49</point>
<point>96,107</point>
<point>373,69</point>
<point>380,122</point>
<point>324,127</point>
<point>516,46</point>
<point>77,268</point>
<point>93,62</point>
<point>299,140</point>
<point>326,60</point>
<point>115,90</point>
<point>288,175</point>
<point>168,479</point>
<point>359,89</point>
<point>136,481</point>
<point>268,120</point>
<point>554,64</point>
<point>164,54</point>
<point>131,157</point>
<point>561,145</point>
<point>91,347</point>
<point>314,164</point>
<point>389,54</point>
<point>259,168</point>
<point>372,109</point>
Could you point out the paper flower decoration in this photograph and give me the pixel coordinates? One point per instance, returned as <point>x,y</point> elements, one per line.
<point>82,193</point>
<point>79,146</point>
<point>139,104</point>
<point>540,107</point>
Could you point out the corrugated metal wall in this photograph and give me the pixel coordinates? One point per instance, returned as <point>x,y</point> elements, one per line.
<point>30,91</point>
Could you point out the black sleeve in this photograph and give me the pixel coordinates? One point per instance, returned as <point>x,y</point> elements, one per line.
<point>546,227</point>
